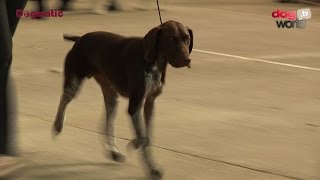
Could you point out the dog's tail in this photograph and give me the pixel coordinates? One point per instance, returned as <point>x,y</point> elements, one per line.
<point>70,37</point>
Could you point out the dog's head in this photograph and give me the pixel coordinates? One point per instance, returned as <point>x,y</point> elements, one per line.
<point>171,41</point>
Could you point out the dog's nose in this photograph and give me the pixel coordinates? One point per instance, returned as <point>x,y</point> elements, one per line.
<point>188,62</point>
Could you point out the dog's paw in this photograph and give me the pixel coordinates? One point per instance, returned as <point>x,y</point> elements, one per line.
<point>145,142</point>
<point>118,157</point>
<point>134,144</point>
<point>137,143</point>
<point>156,174</point>
<point>57,128</point>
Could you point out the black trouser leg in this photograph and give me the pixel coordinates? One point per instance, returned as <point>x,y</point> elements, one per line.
<point>41,5</point>
<point>8,24</point>
<point>65,4</point>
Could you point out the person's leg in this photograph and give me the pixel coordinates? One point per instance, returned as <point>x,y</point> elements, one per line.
<point>8,24</point>
<point>64,3</point>
<point>41,5</point>
<point>65,6</point>
<point>5,61</point>
<point>12,6</point>
<point>114,5</point>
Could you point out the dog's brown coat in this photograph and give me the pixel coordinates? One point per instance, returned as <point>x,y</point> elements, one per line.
<point>134,67</point>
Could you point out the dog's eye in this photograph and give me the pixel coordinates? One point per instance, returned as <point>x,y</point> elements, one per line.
<point>171,38</point>
<point>186,39</point>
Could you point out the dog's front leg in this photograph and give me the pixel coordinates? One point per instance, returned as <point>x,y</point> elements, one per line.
<point>148,113</point>
<point>135,113</point>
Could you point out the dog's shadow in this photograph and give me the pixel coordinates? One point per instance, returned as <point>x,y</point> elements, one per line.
<point>79,171</point>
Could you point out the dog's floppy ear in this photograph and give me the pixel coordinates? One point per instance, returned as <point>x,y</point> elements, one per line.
<point>150,44</point>
<point>191,39</point>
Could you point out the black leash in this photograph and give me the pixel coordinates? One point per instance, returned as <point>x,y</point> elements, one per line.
<point>159,12</point>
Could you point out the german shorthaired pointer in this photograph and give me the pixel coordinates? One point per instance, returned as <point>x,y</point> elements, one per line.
<point>134,67</point>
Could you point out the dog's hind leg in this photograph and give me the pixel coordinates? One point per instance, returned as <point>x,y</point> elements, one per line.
<point>71,87</point>
<point>69,91</point>
<point>111,103</point>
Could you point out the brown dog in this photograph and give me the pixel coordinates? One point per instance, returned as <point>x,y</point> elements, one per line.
<point>133,67</point>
